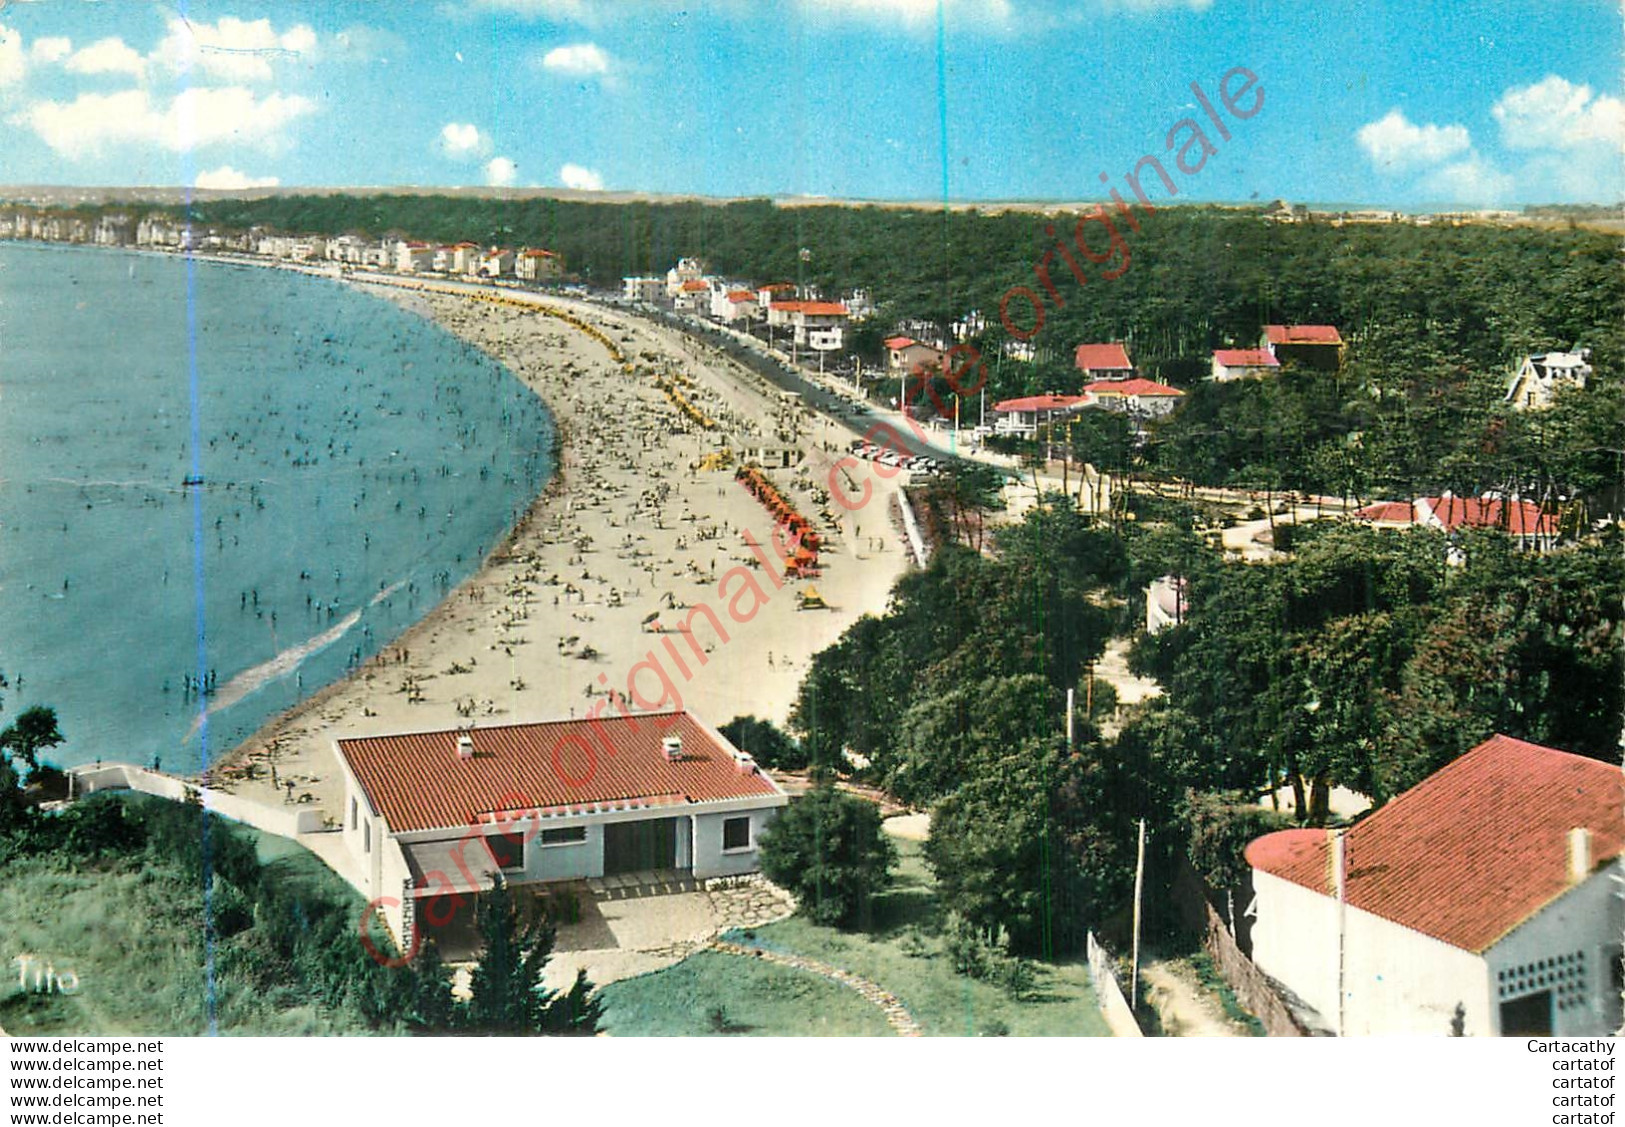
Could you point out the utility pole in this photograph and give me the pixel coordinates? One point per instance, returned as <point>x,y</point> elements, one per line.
<point>1139,879</point>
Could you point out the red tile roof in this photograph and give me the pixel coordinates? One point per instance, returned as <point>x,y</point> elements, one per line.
<point>418,782</point>
<point>1041,403</point>
<point>1104,356</point>
<point>738,297</point>
<point>1520,518</point>
<point>899,342</point>
<point>1131,388</point>
<point>539,254</point>
<point>1302,334</point>
<point>1388,512</point>
<point>1245,358</point>
<point>777,287</point>
<point>823,309</point>
<point>694,285</point>
<point>1471,852</point>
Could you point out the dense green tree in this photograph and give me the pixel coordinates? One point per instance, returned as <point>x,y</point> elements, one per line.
<point>828,848</point>
<point>765,742</point>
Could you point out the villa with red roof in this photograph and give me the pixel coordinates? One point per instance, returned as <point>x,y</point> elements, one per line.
<point>1243,363</point>
<point>730,305</point>
<point>1024,416</point>
<point>1103,362</point>
<point>1138,397</point>
<point>1489,894</point>
<point>905,354</point>
<point>430,818</point>
<point>1526,522</point>
<point>1313,346</point>
<point>537,265</point>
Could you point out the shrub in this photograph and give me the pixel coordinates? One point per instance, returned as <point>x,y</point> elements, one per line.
<point>828,848</point>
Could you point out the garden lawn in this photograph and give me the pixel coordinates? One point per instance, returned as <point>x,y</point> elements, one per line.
<point>902,951</point>
<point>754,997</point>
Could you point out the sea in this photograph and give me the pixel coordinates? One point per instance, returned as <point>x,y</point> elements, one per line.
<point>224,487</point>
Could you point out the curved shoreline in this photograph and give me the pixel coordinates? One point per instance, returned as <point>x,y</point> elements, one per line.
<point>619,445</point>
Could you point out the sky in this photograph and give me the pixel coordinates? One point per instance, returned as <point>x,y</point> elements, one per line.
<point>1404,104</point>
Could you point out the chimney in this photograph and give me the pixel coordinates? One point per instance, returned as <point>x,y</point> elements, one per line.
<point>672,746</point>
<point>465,746</point>
<point>1579,854</point>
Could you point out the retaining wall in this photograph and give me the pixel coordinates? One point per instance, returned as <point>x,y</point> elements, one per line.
<point>289,822</point>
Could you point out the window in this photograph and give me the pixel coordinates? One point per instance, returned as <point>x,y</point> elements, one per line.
<point>567,835</point>
<point>352,813</point>
<point>735,834</point>
<point>366,837</point>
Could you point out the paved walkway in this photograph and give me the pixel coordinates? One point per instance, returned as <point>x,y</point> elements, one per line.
<point>897,1015</point>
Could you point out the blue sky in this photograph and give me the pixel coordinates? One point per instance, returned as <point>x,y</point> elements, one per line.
<point>1408,103</point>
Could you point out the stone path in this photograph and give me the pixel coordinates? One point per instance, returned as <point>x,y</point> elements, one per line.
<point>897,1015</point>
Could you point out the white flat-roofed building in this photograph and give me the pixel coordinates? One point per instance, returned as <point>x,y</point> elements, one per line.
<point>430,818</point>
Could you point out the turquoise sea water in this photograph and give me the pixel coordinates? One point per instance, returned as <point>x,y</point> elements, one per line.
<point>357,461</point>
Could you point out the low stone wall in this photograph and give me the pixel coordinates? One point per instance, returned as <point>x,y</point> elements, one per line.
<point>1253,988</point>
<point>1103,972</point>
<point>291,822</point>
<point>911,529</point>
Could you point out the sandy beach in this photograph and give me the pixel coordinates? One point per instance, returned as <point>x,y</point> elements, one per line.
<point>628,530</point>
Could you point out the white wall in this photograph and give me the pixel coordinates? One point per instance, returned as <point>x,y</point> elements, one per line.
<point>285,821</point>
<point>711,861</point>
<point>1395,980</point>
<point>1588,922</point>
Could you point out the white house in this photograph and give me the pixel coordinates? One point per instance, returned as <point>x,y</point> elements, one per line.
<point>686,270</point>
<point>1022,417</point>
<point>1242,363</point>
<point>1490,895</point>
<point>412,257</point>
<point>1139,398</point>
<point>1102,362</point>
<point>1537,379</point>
<point>536,265</point>
<point>431,817</point>
<point>498,262</point>
<point>693,296</point>
<point>905,354</point>
<point>646,288</point>
<point>730,305</point>
<point>1167,603</point>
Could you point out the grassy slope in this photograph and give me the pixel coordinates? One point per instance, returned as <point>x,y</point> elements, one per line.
<point>133,935</point>
<point>902,952</point>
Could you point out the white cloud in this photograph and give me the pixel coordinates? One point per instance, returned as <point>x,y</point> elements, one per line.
<point>12,62</point>
<point>50,49</point>
<point>500,172</point>
<point>1394,144</point>
<point>108,56</point>
<point>1554,113</point>
<point>462,141</point>
<point>195,118</point>
<point>581,179</point>
<point>1470,181</point>
<point>234,50</point>
<point>226,178</point>
<point>578,60</point>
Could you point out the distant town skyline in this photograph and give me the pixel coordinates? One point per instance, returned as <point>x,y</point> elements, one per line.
<point>1399,105</point>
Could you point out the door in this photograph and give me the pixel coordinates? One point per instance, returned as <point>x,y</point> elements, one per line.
<point>1529,1016</point>
<point>631,847</point>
